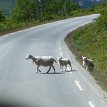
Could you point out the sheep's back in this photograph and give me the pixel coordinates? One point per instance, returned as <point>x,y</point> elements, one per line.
<point>44,60</point>
<point>90,62</point>
<point>64,61</point>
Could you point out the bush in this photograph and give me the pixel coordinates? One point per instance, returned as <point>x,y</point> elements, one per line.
<point>2,17</point>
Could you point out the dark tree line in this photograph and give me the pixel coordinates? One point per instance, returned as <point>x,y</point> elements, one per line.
<point>28,10</point>
<point>2,17</point>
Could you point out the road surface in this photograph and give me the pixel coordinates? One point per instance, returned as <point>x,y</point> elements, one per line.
<point>19,82</point>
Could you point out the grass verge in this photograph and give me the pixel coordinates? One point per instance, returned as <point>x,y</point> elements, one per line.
<point>89,41</point>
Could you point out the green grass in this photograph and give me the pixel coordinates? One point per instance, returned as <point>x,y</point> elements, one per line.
<point>91,41</point>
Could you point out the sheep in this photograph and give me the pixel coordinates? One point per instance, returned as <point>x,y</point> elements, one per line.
<point>64,62</point>
<point>42,61</point>
<point>88,63</point>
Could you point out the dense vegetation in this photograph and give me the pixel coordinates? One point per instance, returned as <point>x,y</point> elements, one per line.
<point>91,41</point>
<point>35,11</point>
<point>43,9</point>
<point>2,18</point>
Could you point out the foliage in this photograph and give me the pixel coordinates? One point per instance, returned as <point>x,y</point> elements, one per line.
<point>2,18</point>
<point>27,10</point>
<point>91,41</point>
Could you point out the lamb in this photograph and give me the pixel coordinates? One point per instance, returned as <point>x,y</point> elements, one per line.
<point>88,63</point>
<point>42,61</point>
<point>64,62</point>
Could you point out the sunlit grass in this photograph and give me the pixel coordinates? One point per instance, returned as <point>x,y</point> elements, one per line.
<point>91,41</point>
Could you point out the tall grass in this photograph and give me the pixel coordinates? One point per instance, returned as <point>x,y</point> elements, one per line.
<point>91,41</point>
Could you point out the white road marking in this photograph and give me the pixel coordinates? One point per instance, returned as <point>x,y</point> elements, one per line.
<point>61,54</point>
<point>59,44</point>
<point>60,48</point>
<point>91,104</point>
<point>77,83</point>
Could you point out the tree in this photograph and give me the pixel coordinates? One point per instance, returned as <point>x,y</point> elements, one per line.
<point>27,10</point>
<point>2,17</point>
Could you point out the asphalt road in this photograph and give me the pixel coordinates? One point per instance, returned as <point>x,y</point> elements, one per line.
<point>19,82</point>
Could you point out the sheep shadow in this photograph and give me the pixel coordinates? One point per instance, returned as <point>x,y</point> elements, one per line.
<point>62,72</point>
<point>70,71</point>
<point>52,73</point>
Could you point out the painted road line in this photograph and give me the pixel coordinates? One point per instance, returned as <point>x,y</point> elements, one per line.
<point>80,88</point>
<point>91,104</point>
<point>60,48</point>
<point>58,61</point>
<point>59,44</point>
<point>61,54</point>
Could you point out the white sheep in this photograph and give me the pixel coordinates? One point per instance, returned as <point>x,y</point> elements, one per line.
<point>64,62</point>
<point>88,63</point>
<point>42,61</point>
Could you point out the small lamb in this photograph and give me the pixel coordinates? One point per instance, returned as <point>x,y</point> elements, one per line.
<point>88,63</point>
<point>64,62</point>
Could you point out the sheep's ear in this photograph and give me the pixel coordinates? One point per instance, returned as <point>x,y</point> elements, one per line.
<point>27,56</point>
<point>60,58</point>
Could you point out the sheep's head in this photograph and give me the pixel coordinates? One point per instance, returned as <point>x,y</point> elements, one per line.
<point>84,58</point>
<point>28,56</point>
<point>60,58</point>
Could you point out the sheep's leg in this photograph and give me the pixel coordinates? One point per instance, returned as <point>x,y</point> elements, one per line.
<point>49,69</point>
<point>38,69</point>
<point>71,68</point>
<point>65,67</point>
<point>86,68</point>
<point>70,65</point>
<point>53,68</point>
<point>61,67</point>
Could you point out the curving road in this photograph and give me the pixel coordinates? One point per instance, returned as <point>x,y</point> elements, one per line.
<point>19,82</point>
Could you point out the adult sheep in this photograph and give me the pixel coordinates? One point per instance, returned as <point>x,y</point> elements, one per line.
<point>64,62</point>
<point>42,61</point>
<point>88,63</point>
